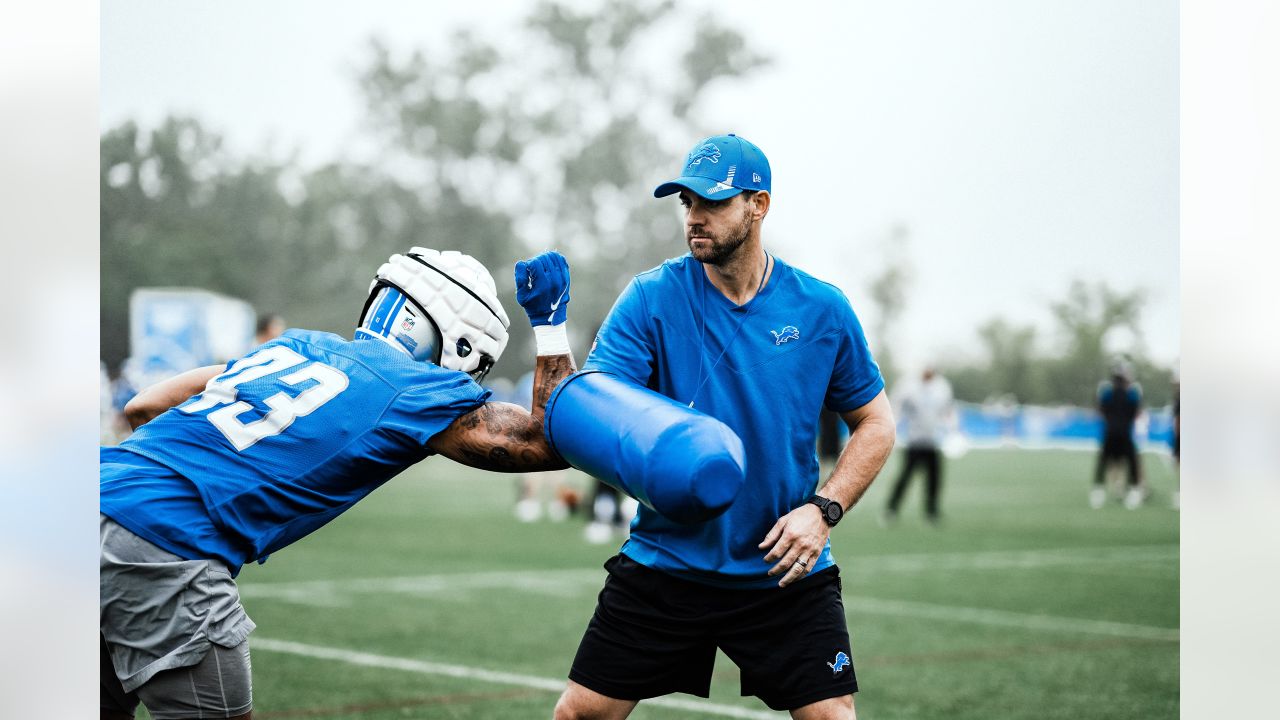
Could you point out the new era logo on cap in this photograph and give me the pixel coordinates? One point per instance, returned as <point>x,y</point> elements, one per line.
<point>720,167</point>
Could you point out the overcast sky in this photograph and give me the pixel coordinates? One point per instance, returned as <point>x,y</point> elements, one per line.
<point>1022,144</point>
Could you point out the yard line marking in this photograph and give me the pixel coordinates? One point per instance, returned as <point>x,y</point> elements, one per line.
<point>556,583</point>
<point>1013,559</point>
<point>1001,652</point>
<point>424,667</point>
<point>402,704</point>
<point>1007,618</point>
<point>572,582</point>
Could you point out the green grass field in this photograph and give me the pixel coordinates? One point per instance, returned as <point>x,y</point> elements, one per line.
<point>428,600</point>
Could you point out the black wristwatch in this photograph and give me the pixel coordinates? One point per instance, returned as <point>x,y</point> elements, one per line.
<point>831,510</point>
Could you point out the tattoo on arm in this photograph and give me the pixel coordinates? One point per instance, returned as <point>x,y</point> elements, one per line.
<point>498,436</point>
<point>551,369</point>
<point>506,437</point>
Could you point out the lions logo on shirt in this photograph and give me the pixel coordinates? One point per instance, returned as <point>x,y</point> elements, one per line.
<point>788,332</point>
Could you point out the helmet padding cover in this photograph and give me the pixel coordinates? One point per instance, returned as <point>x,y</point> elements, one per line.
<point>461,298</point>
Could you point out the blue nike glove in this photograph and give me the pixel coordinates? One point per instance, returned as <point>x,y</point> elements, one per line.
<point>542,288</point>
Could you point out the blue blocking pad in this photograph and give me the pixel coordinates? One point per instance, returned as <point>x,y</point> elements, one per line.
<point>681,463</point>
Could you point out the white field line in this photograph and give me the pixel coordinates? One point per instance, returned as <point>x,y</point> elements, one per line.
<point>576,581</point>
<point>1006,618</point>
<point>1014,559</point>
<point>555,583</point>
<point>423,667</point>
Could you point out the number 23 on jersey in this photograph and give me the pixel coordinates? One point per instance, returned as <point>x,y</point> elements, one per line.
<point>284,408</point>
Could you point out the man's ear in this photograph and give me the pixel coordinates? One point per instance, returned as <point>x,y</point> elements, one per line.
<point>760,201</point>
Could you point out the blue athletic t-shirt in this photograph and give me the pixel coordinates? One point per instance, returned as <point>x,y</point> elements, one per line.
<point>765,369</point>
<point>286,439</point>
<point>1119,409</point>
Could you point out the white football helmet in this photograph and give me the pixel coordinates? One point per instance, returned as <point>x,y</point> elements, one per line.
<point>465,325</point>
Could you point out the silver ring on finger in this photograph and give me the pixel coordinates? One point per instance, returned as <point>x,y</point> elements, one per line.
<point>803,565</point>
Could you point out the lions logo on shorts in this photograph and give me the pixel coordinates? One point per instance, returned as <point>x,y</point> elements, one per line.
<point>841,662</point>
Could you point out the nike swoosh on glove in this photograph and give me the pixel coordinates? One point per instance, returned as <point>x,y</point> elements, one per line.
<point>542,288</point>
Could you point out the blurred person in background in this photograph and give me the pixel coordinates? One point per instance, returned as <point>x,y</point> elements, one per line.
<point>1176,441</point>
<point>928,409</point>
<point>270,326</point>
<point>830,437</point>
<point>546,494</point>
<point>1120,404</point>
<point>106,414</point>
<point>732,331</point>
<point>611,514</point>
<point>283,440</point>
<point>118,391</point>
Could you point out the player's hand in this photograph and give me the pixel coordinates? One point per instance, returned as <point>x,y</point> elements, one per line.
<point>795,542</point>
<point>542,288</point>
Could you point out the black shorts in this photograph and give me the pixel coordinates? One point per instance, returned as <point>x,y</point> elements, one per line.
<point>1118,447</point>
<point>654,634</point>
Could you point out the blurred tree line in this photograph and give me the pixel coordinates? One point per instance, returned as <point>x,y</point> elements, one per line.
<point>548,139</point>
<point>1014,363</point>
<point>1094,326</point>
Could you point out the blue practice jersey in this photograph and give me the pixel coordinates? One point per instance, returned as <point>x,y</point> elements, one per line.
<point>1120,405</point>
<point>287,438</point>
<point>765,369</point>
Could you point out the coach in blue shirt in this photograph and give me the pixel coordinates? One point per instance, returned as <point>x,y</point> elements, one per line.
<point>739,334</point>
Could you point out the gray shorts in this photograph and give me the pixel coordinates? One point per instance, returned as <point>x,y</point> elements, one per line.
<point>218,686</point>
<point>160,618</point>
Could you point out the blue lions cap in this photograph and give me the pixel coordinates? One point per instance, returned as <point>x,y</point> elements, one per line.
<point>720,167</point>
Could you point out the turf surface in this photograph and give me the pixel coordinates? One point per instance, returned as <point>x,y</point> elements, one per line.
<point>428,600</point>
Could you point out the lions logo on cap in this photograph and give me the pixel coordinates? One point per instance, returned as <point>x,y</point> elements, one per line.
<point>705,151</point>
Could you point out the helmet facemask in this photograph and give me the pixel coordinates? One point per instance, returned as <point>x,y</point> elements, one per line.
<point>486,364</point>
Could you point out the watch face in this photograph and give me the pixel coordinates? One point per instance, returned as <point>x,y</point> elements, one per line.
<point>834,512</point>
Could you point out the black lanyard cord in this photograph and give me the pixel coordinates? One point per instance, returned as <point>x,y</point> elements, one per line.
<point>702,380</point>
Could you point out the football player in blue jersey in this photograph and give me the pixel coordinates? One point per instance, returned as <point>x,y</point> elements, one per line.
<point>1120,404</point>
<point>228,464</point>
<point>735,332</point>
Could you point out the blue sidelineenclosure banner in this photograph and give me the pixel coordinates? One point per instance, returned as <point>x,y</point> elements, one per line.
<point>993,424</point>
<point>1034,426</point>
<point>172,330</point>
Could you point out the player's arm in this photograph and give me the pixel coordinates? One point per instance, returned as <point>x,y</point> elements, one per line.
<point>506,437</point>
<point>801,534</point>
<point>165,394</point>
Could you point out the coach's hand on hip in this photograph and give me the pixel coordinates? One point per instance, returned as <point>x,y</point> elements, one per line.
<point>795,542</point>
<point>542,288</point>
